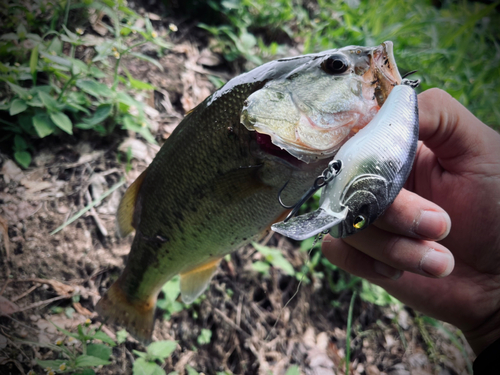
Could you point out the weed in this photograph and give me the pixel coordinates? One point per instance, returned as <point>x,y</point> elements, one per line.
<point>46,90</point>
<point>80,353</point>
<point>157,351</point>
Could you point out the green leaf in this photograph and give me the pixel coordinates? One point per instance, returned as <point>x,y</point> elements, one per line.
<point>54,365</point>
<point>57,59</point>
<point>94,88</point>
<point>100,335</point>
<point>161,349</point>
<point>72,36</point>
<point>23,158</point>
<point>62,121</point>
<point>22,92</point>
<point>43,125</point>
<point>121,336</point>
<point>143,367</point>
<point>88,360</point>
<point>34,63</point>
<point>48,101</point>
<point>191,371</point>
<point>9,36</point>
<point>172,289</point>
<point>275,257</point>
<point>123,97</point>
<point>102,112</point>
<point>99,350</point>
<point>148,59</point>
<point>97,72</point>
<point>87,371</point>
<point>140,85</point>
<point>293,370</point>
<point>19,143</point>
<point>204,337</point>
<point>55,46</point>
<point>17,106</point>
<point>21,31</point>
<point>261,267</point>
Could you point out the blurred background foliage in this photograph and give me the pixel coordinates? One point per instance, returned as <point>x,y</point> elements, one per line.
<point>454,45</point>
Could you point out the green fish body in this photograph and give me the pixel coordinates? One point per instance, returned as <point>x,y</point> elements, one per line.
<point>213,186</point>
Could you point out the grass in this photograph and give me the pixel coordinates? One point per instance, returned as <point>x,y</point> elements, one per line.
<point>455,48</point>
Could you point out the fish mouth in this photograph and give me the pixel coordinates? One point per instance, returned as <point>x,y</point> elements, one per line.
<point>266,146</point>
<point>385,71</point>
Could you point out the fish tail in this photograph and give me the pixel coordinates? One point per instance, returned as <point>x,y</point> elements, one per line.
<point>137,316</point>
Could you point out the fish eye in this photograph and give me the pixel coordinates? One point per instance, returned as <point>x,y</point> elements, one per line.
<point>334,65</point>
<point>359,222</point>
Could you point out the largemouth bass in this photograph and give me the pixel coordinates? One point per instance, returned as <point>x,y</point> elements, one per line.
<point>213,186</point>
<point>370,171</point>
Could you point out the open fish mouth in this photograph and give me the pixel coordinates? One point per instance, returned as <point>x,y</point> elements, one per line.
<point>311,112</point>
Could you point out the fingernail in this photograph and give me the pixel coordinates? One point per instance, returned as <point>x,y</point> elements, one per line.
<point>437,263</point>
<point>433,225</point>
<point>387,271</point>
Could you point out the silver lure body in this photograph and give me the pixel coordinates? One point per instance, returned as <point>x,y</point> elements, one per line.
<point>375,165</point>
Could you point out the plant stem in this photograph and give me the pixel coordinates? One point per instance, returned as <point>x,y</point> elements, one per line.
<point>66,13</point>
<point>66,85</point>
<point>115,79</point>
<point>348,335</point>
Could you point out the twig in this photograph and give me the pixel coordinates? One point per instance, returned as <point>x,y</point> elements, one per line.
<point>25,293</point>
<point>20,323</point>
<point>89,206</point>
<point>5,285</point>
<point>230,322</point>
<point>41,303</point>
<point>93,213</point>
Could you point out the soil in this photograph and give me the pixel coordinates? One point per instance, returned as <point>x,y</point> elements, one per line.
<point>41,274</point>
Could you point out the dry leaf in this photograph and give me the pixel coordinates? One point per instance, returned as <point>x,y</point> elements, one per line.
<point>7,307</point>
<point>82,310</point>
<point>11,172</point>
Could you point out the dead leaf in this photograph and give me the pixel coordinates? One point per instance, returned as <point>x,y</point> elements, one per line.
<point>7,307</point>
<point>153,16</point>
<point>34,186</point>
<point>11,172</point>
<point>208,58</point>
<point>82,310</point>
<point>59,287</point>
<point>95,18</point>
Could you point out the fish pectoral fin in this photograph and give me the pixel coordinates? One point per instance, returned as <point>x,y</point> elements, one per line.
<point>308,225</point>
<point>239,183</point>
<point>195,281</point>
<point>126,215</point>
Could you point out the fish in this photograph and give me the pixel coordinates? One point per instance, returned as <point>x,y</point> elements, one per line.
<point>212,187</point>
<point>367,174</point>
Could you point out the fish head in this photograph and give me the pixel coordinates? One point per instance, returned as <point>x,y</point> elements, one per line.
<point>322,100</point>
<point>362,202</point>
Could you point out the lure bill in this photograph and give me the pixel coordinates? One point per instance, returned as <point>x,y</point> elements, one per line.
<point>375,164</point>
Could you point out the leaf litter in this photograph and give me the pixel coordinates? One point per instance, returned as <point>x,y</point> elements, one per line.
<point>41,274</point>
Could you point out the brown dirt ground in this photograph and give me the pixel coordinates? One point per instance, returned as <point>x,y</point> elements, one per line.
<point>41,272</point>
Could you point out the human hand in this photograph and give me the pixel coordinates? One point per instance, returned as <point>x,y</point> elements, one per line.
<point>456,174</point>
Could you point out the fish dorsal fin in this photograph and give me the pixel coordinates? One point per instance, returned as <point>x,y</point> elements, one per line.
<point>195,281</point>
<point>126,210</point>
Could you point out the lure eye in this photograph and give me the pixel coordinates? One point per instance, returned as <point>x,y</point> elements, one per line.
<point>334,65</point>
<point>359,222</point>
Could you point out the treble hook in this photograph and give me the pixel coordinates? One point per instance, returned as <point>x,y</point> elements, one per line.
<point>328,174</point>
